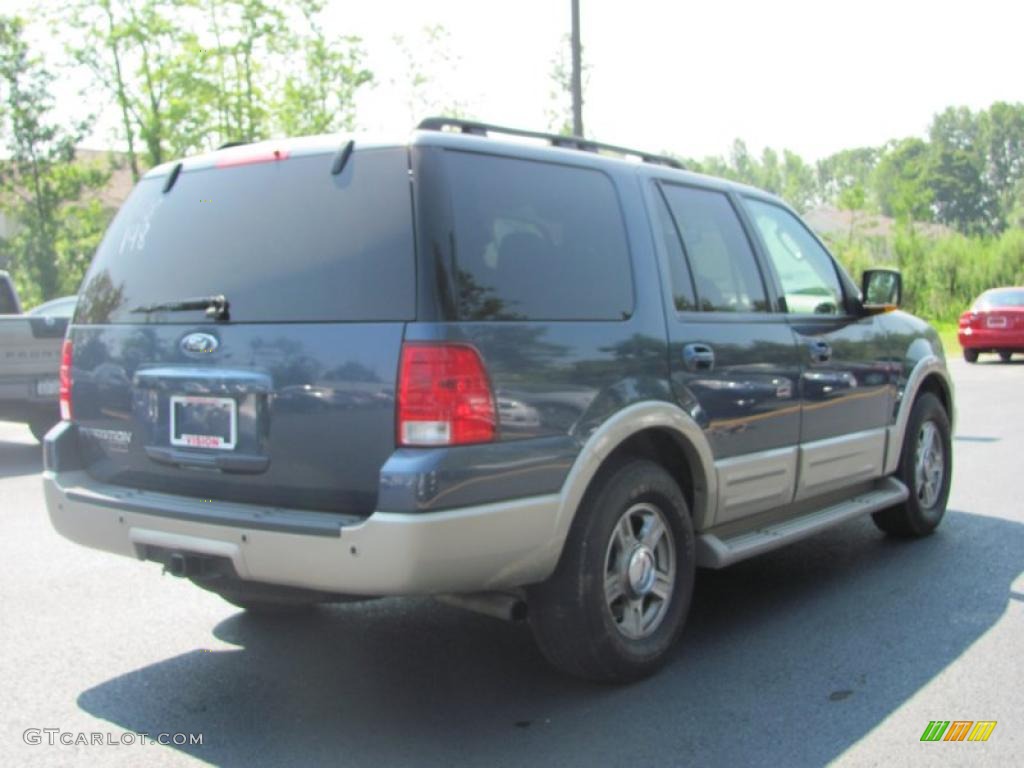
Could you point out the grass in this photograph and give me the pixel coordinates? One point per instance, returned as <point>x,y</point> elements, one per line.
<point>947,332</point>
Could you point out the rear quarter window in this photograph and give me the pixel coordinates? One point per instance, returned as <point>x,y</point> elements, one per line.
<point>537,241</point>
<point>284,241</point>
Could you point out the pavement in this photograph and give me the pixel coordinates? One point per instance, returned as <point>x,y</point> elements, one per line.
<point>839,649</point>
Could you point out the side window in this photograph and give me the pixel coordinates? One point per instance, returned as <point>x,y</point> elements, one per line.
<point>682,283</point>
<point>807,273</point>
<point>537,241</point>
<point>725,272</point>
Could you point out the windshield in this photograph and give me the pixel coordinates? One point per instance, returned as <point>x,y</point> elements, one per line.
<point>283,241</point>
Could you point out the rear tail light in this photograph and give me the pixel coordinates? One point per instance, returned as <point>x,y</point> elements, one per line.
<point>66,356</point>
<point>970,320</point>
<point>444,396</point>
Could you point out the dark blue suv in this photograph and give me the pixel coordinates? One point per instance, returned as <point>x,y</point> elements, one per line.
<point>534,375</point>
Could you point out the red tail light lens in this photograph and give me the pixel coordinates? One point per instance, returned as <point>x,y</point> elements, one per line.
<point>444,396</point>
<point>66,356</point>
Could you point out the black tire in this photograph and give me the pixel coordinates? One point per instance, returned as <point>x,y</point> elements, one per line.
<point>919,515</point>
<point>572,618</point>
<point>971,355</point>
<point>1005,355</point>
<point>39,427</point>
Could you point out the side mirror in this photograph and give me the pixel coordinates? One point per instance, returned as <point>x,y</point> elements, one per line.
<point>882,290</point>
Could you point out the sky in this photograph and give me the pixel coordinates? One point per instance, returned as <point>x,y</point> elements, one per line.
<point>689,77</point>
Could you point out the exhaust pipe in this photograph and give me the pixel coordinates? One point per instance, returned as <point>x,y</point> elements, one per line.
<point>500,605</point>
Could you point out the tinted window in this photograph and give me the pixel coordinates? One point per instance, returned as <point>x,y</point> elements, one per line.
<point>537,241</point>
<point>682,282</point>
<point>284,241</point>
<point>807,273</point>
<point>724,270</point>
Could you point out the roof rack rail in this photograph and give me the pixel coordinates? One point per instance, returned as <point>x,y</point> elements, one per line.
<point>228,144</point>
<point>566,142</point>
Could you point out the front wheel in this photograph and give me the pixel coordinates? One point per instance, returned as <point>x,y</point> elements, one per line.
<point>926,468</point>
<point>620,594</point>
<point>971,355</point>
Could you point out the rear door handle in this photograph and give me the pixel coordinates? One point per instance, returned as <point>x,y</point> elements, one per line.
<point>698,357</point>
<point>820,351</point>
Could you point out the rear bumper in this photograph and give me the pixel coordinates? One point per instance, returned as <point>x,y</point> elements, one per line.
<point>990,338</point>
<point>494,546</point>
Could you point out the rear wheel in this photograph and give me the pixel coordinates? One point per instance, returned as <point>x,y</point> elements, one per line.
<point>619,597</point>
<point>926,467</point>
<point>1005,355</point>
<point>971,355</point>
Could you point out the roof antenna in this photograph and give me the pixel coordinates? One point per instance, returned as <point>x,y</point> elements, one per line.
<point>342,157</point>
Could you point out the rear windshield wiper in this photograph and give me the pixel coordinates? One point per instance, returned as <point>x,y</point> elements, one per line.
<point>216,307</point>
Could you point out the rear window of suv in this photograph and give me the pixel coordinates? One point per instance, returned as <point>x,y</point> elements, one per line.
<point>284,241</point>
<point>537,241</point>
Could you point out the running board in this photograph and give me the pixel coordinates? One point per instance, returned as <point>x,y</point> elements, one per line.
<point>714,552</point>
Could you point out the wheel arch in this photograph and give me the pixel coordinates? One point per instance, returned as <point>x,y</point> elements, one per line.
<point>929,374</point>
<point>656,430</point>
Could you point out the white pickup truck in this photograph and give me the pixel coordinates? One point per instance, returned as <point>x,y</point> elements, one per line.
<point>30,358</point>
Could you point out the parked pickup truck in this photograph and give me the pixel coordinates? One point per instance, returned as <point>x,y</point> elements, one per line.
<point>30,358</point>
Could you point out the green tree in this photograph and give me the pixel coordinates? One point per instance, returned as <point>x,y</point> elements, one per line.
<point>1002,138</point>
<point>145,56</point>
<point>320,96</point>
<point>901,180</point>
<point>850,168</point>
<point>430,68</point>
<point>46,194</point>
<point>961,195</point>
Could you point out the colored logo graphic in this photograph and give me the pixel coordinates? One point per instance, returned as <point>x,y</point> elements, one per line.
<point>958,730</point>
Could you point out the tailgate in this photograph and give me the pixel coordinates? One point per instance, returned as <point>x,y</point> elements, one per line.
<point>292,415</point>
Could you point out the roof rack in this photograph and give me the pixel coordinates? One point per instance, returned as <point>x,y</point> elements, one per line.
<point>228,144</point>
<point>566,142</point>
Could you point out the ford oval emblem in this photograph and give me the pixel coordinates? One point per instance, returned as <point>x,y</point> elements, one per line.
<point>199,344</point>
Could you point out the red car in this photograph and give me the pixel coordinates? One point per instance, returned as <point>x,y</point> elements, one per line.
<point>994,323</point>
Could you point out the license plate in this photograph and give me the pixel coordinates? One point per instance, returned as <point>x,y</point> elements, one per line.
<point>996,322</point>
<point>47,387</point>
<point>204,422</point>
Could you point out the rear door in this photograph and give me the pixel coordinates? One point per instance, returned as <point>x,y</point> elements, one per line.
<point>734,364</point>
<point>846,382</point>
<point>289,400</point>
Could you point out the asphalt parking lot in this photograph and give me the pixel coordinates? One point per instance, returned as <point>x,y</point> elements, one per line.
<point>840,648</point>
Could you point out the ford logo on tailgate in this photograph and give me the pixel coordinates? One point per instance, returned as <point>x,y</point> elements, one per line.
<point>199,344</point>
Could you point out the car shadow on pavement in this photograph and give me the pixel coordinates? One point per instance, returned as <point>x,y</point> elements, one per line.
<point>788,659</point>
<point>17,458</point>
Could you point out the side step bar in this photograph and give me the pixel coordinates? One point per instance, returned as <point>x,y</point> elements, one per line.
<point>714,552</point>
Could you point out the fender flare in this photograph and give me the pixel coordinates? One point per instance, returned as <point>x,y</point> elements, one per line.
<point>614,432</point>
<point>929,366</point>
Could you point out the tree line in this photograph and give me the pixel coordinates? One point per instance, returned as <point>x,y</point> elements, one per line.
<point>185,76</point>
<point>968,174</point>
